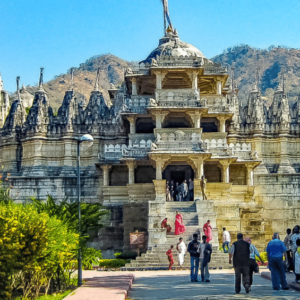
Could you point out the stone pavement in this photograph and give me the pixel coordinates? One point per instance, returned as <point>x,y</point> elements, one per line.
<point>290,277</point>
<point>104,287</point>
<point>175,285</point>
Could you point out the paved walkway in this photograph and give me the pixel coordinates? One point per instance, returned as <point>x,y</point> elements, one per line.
<point>104,287</point>
<point>176,285</point>
<point>290,277</point>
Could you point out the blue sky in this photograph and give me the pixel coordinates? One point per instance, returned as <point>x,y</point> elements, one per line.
<point>60,34</point>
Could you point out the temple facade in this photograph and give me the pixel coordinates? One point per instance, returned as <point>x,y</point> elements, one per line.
<point>175,117</point>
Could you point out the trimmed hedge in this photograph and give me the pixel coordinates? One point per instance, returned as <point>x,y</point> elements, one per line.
<point>113,263</point>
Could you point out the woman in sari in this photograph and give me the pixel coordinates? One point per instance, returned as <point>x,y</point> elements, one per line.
<point>207,230</point>
<point>164,224</point>
<point>179,227</point>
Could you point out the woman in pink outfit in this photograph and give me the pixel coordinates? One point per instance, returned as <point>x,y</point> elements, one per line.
<point>207,230</point>
<point>179,227</point>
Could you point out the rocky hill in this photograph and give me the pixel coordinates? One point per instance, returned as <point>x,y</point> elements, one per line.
<point>245,59</point>
<point>112,71</point>
<point>271,62</point>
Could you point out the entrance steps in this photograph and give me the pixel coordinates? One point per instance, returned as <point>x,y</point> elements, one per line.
<point>156,258</point>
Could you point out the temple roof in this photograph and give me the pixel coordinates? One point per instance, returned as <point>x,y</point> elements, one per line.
<point>171,45</point>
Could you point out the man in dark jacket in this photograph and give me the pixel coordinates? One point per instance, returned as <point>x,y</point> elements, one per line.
<point>205,255</point>
<point>240,250</point>
<point>193,249</point>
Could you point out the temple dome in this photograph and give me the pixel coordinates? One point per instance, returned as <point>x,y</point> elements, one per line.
<point>171,45</point>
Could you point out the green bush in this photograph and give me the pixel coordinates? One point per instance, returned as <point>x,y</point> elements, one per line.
<point>126,255</point>
<point>90,257</point>
<point>113,263</point>
<point>33,247</point>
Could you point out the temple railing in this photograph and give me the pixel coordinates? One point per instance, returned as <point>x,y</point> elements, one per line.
<point>135,149</point>
<point>178,98</point>
<point>138,104</point>
<point>170,139</point>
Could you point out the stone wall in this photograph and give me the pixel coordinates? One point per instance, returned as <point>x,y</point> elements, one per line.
<point>135,218</point>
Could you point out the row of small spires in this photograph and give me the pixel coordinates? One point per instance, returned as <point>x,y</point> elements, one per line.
<point>41,81</point>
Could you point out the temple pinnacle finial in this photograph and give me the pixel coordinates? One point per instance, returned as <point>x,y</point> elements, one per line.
<point>255,86</point>
<point>280,87</point>
<point>166,16</point>
<point>1,83</point>
<point>41,81</point>
<point>232,79</point>
<point>18,88</point>
<point>72,82</point>
<point>96,88</point>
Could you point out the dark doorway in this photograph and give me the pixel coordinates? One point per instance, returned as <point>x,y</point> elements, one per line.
<point>178,173</point>
<point>145,125</point>
<point>209,125</point>
<point>178,176</point>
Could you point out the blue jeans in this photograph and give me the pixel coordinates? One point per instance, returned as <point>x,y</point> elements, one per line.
<point>225,243</point>
<point>204,271</point>
<point>194,267</point>
<point>277,273</point>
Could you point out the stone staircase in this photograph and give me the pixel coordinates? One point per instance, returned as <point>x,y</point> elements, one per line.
<point>156,258</point>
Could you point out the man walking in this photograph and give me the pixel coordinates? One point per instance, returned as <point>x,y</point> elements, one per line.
<point>240,250</point>
<point>275,251</point>
<point>205,250</point>
<point>288,254</point>
<point>181,248</point>
<point>226,240</point>
<point>193,249</point>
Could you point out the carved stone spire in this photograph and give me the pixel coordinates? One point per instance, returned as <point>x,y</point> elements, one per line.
<point>96,87</point>
<point>72,82</point>
<point>255,86</point>
<point>41,81</point>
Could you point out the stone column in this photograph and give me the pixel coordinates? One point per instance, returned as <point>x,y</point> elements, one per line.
<point>222,121</point>
<point>200,172</point>
<point>132,120</point>
<point>131,166</point>
<point>249,175</point>
<point>134,87</point>
<point>196,117</point>
<point>194,80</point>
<point>219,87</point>
<point>225,171</point>
<point>105,169</point>
<point>158,169</point>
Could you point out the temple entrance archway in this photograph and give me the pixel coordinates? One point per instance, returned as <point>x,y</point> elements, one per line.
<point>178,172</point>
<point>177,120</point>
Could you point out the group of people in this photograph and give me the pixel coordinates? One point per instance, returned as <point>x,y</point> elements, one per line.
<point>179,226</point>
<point>180,192</point>
<point>200,254</point>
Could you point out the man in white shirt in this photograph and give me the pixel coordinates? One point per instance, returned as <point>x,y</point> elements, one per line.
<point>226,240</point>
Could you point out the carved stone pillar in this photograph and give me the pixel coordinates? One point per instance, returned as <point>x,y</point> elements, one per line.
<point>285,166</point>
<point>131,166</point>
<point>249,175</point>
<point>225,171</point>
<point>196,117</point>
<point>158,169</point>
<point>159,116</point>
<point>134,87</point>
<point>219,87</point>
<point>132,120</point>
<point>194,80</point>
<point>105,169</point>
<point>222,121</point>
<point>159,79</point>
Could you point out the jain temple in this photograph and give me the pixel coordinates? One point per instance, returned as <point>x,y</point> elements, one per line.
<point>175,117</point>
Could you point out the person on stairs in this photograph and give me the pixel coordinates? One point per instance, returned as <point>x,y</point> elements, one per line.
<point>226,240</point>
<point>181,248</point>
<point>164,224</point>
<point>205,250</point>
<point>207,230</point>
<point>179,227</point>
<point>193,249</point>
<point>170,257</point>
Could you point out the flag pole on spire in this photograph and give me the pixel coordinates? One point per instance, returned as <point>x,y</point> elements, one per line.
<point>166,15</point>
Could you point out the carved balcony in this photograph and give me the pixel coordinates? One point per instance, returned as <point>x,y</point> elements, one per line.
<point>138,104</point>
<point>178,98</point>
<point>217,103</point>
<point>182,139</point>
<point>137,148</point>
